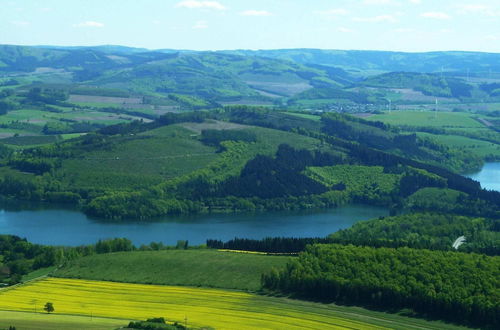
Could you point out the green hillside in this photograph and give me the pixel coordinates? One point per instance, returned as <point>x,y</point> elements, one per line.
<point>368,62</point>
<point>207,268</point>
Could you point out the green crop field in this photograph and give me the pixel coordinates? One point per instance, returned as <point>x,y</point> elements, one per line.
<point>43,321</point>
<point>220,309</point>
<point>30,140</point>
<point>304,115</point>
<point>481,148</point>
<point>428,119</point>
<point>208,268</point>
<point>356,178</point>
<point>36,117</point>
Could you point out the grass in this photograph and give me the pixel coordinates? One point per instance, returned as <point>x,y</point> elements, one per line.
<point>428,119</point>
<point>221,309</point>
<point>36,117</point>
<point>38,273</point>
<point>30,140</point>
<point>481,148</point>
<point>208,268</point>
<point>166,152</point>
<point>357,178</point>
<point>43,321</point>
<point>304,115</point>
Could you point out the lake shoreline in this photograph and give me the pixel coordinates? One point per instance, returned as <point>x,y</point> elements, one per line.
<point>73,228</point>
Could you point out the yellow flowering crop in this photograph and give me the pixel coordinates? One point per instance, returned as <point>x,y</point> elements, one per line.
<point>220,309</point>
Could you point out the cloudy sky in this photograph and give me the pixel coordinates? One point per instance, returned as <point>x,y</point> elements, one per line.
<point>402,25</point>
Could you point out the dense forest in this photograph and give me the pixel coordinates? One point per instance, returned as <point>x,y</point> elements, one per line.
<point>435,231</point>
<point>460,287</point>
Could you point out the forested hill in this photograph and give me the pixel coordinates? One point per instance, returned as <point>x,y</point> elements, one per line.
<point>242,159</point>
<point>303,78</point>
<point>385,61</point>
<point>204,74</point>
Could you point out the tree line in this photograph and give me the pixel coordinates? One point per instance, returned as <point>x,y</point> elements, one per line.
<point>269,244</point>
<point>454,286</point>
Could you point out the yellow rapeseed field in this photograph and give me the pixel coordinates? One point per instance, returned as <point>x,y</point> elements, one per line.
<point>220,309</point>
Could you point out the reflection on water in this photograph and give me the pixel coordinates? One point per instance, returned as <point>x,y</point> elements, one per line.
<point>44,224</point>
<point>489,176</point>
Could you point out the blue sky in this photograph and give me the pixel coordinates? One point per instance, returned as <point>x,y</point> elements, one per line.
<point>401,25</point>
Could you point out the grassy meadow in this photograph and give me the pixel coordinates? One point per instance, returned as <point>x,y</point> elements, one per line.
<point>207,268</point>
<point>220,309</point>
<point>428,119</point>
<point>481,148</point>
<point>459,130</point>
<point>43,321</point>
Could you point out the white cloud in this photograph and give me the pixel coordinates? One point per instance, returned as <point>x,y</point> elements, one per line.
<point>473,8</point>
<point>194,4</point>
<point>480,9</point>
<point>376,19</point>
<point>89,24</point>
<point>378,2</point>
<point>344,30</point>
<point>253,12</point>
<point>436,15</point>
<point>416,2</point>
<point>405,30</point>
<point>333,12</point>
<point>201,25</point>
<point>20,23</point>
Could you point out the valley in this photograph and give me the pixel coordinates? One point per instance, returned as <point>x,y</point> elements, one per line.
<point>292,188</point>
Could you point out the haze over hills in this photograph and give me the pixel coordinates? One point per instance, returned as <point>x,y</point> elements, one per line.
<point>310,78</point>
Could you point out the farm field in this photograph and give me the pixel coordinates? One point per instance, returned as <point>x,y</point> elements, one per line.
<point>43,321</point>
<point>428,119</point>
<point>208,268</point>
<point>478,147</point>
<point>220,309</point>
<point>304,115</point>
<point>36,117</point>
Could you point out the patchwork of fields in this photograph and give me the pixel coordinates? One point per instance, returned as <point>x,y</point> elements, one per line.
<point>220,309</point>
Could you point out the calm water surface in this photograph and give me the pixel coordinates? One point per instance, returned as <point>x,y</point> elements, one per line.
<point>69,227</point>
<point>489,176</point>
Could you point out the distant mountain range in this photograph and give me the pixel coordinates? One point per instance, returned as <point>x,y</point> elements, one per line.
<point>264,75</point>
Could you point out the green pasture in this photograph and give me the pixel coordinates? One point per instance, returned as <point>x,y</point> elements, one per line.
<point>304,115</point>
<point>197,267</point>
<point>481,148</point>
<point>428,119</point>
<point>44,321</point>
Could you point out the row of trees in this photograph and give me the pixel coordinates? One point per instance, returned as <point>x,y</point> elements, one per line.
<point>269,244</point>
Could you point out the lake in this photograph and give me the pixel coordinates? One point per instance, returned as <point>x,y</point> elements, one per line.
<point>489,176</point>
<point>72,228</point>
